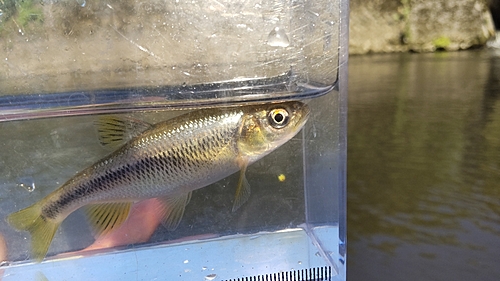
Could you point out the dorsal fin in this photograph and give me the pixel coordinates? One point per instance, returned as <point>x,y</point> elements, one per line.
<point>115,131</point>
<point>106,216</point>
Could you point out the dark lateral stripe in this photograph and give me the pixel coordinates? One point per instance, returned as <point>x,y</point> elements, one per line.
<point>166,164</point>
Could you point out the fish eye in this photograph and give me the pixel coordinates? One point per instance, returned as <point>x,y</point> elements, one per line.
<point>278,118</point>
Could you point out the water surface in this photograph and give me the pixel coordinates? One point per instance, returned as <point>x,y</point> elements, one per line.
<point>424,166</point>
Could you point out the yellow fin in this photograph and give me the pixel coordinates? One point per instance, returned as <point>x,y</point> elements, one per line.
<point>173,209</point>
<point>243,188</point>
<point>42,230</point>
<point>106,216</point>
<point>114,131</point>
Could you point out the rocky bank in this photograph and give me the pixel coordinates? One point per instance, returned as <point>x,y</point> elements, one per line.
<point>418,25</point>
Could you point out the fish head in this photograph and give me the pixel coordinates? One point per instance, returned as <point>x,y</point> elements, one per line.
<point>266,127</point>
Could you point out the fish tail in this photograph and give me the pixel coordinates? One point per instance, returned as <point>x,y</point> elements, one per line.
<point>42,229</point>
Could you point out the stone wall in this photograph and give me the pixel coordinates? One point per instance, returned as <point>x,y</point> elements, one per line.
<point>418,25</point>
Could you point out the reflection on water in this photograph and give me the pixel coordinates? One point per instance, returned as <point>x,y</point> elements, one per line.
<point>424,166</point>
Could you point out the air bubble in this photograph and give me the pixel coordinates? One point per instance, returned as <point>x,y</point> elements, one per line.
<point>278,38</point>
<point>210,277</point>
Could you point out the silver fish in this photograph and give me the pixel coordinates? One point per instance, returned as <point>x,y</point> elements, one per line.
<point>167,161</point>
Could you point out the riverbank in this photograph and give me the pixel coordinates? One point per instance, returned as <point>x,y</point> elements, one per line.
<point>384,26</point>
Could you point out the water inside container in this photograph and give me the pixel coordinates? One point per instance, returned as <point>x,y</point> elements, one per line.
<point>70,63</point>
<point>46,152</point>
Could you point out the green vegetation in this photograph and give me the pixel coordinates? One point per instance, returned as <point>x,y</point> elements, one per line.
<point>405,11</point>
<point>441,42</point>
<point>20,11</point>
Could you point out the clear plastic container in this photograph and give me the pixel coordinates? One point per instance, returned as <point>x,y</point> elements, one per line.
<point>65,64</point>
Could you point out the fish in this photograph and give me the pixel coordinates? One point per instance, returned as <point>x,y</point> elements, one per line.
<point>167,161</point>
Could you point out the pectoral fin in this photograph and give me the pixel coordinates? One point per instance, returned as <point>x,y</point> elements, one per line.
<point>107,216</point>
<point>243,188</point>
<point>173,209</point>
<point>114,131</point>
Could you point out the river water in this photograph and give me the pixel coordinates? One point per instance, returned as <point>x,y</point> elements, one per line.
<point>424,166</point>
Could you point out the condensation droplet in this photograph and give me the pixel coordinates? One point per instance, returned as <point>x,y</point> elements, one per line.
<point>186,261</point>
<point>81,2</point>
<point>314,131</point>
<point>30,187</point>
<point>210,277</point>
<point>278,38</point>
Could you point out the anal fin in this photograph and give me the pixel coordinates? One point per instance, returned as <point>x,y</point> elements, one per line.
<point>106,216</point>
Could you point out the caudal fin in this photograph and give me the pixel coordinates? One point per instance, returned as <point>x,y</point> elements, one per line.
<point>42,230</point>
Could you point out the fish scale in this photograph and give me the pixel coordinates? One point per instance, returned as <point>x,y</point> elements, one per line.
<point>166,161</point>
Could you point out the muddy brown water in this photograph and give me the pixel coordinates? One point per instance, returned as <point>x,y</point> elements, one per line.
<point>424,166</point>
